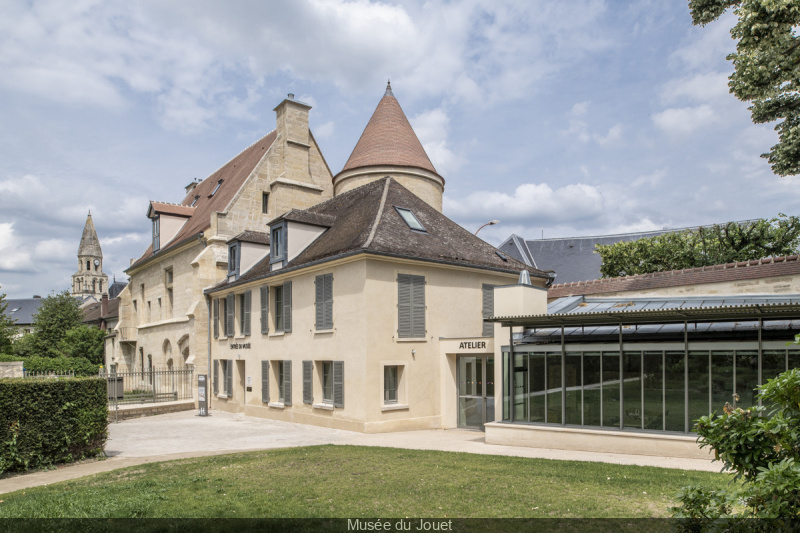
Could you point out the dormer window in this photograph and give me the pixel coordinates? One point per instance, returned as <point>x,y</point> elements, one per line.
<point>195,200</point>
<point>219,184</point>
<point>277,246</point>
<point>156,234</point>
<point>410,219</point>
<point>234,257</point>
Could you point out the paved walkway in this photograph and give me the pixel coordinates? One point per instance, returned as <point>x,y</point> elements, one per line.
<point>184,434</point>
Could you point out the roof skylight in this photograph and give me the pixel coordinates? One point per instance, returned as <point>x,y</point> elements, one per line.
<point>410,219</point>
<point>219,184</point>
<point>195,200</point>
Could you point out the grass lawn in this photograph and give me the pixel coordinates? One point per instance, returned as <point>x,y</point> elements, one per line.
<point>354,481</point>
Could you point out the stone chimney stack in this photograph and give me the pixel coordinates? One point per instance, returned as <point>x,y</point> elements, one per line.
<point>293,138</point>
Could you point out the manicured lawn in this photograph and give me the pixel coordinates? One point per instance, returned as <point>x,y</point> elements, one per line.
<point>352,481</point>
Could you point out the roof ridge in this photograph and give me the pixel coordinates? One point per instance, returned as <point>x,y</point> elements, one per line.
<point>381,207</point>
<point>706,268</point>
<point>663,230</point>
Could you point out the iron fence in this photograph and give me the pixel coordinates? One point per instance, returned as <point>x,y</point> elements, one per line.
<point>150,386</point>
<point>45,374</point>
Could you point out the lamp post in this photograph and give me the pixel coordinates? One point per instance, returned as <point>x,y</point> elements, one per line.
<point>490,223</point>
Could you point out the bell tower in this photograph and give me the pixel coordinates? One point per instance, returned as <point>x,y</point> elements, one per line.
<point>89,280</point>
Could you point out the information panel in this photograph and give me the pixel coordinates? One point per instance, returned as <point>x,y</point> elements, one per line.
<point>202,398</point>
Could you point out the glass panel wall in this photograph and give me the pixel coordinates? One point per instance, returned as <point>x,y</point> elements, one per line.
<point>592,399</point>
<point>573,394</point>
<point>610,362</point>
<point>583,387</point>
<point>653,391</point>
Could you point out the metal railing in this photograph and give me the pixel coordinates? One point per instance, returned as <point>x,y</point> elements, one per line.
<point>150,386</point>
<point>46,374</point>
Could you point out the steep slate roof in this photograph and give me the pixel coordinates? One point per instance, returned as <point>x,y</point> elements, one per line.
<point>389,139</point>
<point>364,220</point>
<point>233,175</point>
<point>755,269</point>
<point>116,288</point>
<point>90,244</point>
<point>22,310</point>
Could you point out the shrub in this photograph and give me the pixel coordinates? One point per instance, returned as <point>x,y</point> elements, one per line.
<point>84,341</point>
<point>79,365</point>
<point>763,452</point>
<point>49,421</point>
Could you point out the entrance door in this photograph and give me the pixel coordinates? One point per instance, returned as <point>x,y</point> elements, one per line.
<point>475,391</point>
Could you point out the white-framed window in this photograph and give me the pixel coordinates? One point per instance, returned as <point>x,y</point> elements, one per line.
<point>283,307</point>
<point>223,377</point>
<point>330,384</point>
<point>391,380</point>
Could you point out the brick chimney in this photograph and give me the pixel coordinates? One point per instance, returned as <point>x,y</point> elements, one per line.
<point>104,305</point>
<point>293,136</point>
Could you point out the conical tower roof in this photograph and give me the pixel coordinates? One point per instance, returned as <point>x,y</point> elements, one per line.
<point>389,139</point>
<point>90,244</point>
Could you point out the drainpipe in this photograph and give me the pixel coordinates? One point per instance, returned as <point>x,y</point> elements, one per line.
<point>208,371</point>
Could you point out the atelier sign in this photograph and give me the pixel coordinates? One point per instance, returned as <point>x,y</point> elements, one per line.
<point>472,345</point>
<point>240,346</point>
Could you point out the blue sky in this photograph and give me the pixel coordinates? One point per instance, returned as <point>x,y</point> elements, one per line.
<point>557,118</point>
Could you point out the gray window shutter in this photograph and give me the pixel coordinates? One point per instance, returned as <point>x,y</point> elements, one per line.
<point>246,318</point>
<point>229,306</point>
<point>308,391</point>
<point>338,383</point>
<point>265,381</point>
<point>216,318</point>
<point>319,290</point>
<point>287,306</point>
<point>229,378</point>
<point>287,383</point>
<point>403,306</point>
<point>488,309</point>
<point>327,296</point>
<point>418,306</point>
<point>264,310</point>
<point>216,376</point>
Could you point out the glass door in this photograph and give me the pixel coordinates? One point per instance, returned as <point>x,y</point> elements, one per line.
<point>475,391</point>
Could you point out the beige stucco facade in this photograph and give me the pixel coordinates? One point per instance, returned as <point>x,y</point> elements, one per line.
<point>365,338</point>
<point>163,310</point>
<point>423,183</point>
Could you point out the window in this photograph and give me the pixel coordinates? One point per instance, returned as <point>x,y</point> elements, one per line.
<point>264,293</point>
<point>229,313</point>
<point>283,307</point>
<point>265,381</point>
<point>223,369</point>
<point>216,318</point>
<point>324,301</point>
<point>390,381</point>
<point>410,306</point>
<point>168,277</point>
<point>194,201</point>
<point>169,302</point>
<point>265,202</point>
<point>332,382</point>
<point>277,243</point>
<point>410,219</point>
<point>233,259</point>
<point>327,381</point>
<point>308,387</point>
<point>284,378</point>
<point>156,234</point>
<point>488,309</point>
<point>244,315</point>
<point>219,184</point>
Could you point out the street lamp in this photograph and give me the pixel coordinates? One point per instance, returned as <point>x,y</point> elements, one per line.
<point>490,223</point>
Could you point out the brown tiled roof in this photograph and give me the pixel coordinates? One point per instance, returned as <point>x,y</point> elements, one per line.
<point>365,221</point>
<point>172,209</point>
<point>256,237</point>
<point>744,270</point>
<point>389,139</point>
<point>233,174</point>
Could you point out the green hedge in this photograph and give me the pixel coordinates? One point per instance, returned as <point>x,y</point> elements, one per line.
<point>80,365</point>
<point>47,421</point>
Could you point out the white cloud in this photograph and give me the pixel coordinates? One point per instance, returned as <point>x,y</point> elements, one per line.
<point>55,250</point>
<point>652,179</point>
<point>13,258</point>
<point>681,121</point>
<point>431,128</point>
<point>614,134</point>
<point>325,131</point>
<point>530,202</point>
<point>699,88</point>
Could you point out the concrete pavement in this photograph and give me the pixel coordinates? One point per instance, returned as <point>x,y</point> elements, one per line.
<point>184,434</point>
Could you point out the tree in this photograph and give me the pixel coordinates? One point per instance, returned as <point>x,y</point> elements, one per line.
<point>766,68</point>
<point>6,326</point>
<point>84,341</point>
<point>763,452</point>
<point>705,246</point>
<point>56,316</point>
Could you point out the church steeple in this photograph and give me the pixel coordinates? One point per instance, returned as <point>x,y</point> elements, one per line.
<point>89,280</point>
